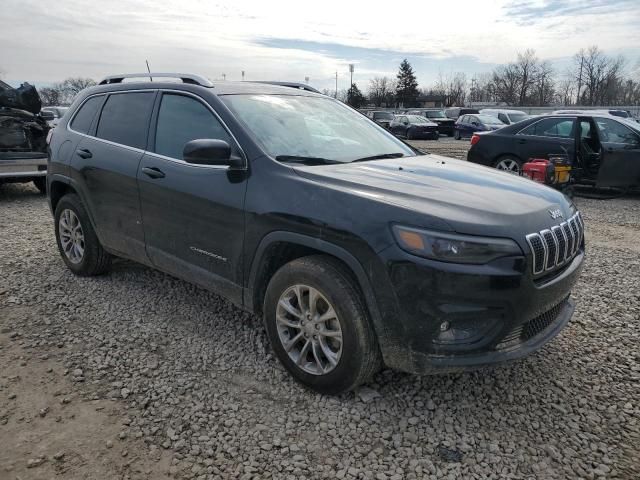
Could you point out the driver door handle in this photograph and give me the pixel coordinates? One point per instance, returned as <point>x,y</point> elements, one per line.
<point>153,172</point>
<point>84,153</point>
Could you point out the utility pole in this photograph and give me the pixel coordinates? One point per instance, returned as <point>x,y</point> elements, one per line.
<point>336,95</point>
<point>224,76</point>
<point>580,81</point>
<point>243,75</point>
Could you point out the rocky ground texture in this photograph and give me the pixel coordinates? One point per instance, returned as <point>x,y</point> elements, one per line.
<point>136,374</point>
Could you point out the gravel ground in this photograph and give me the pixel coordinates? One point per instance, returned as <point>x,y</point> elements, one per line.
<point>136,374</point>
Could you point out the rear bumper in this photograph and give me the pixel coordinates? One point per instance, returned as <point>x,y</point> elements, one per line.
<point>25,166</point>
<point>451,317</point>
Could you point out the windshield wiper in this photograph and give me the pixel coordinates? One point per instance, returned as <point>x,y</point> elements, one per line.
<point>305,160</point>
<point>379,157</point>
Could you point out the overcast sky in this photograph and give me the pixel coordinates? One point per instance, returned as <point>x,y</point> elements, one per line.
<point>47,41</point>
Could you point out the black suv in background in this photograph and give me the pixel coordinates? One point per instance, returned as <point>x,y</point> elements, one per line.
<point>446,125</point>
<point>356,249</point>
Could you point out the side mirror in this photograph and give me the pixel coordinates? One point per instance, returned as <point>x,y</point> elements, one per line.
<point>47,115</point>
<point>475,124</point>
<point>207,151</point>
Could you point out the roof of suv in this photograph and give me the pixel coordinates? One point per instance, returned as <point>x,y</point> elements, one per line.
<point>116,83</point>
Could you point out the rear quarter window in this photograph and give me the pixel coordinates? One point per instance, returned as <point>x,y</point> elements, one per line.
<point>81,123</point>
<point>125,118</point>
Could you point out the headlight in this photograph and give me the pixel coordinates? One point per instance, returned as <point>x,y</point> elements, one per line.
<point>454,248</point>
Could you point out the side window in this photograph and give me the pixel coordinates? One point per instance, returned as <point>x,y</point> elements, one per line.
<point>182,119</point>
<point>125,118</point>
<point>550,127</point>
<point>585,129</point>
<point>503,118</point>
<point>81,123</point>
<point>614,132</point>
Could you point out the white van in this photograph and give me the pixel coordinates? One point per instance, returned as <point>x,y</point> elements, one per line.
<point>505,116</point>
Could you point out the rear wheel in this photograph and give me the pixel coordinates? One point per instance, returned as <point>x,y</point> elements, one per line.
<point>77,242</point>
<point>41,184</point>
<point>318,326</point>
<point>509,164</point>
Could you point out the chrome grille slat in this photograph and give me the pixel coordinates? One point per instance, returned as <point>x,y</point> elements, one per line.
<point>552,247</point>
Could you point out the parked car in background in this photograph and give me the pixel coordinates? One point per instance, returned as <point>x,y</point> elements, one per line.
<point>357,250</point>
<point>457,112</point>
<point>23,135</point>
<point>382,118</point>
<point>600,147</point>
<point>467,125</point>
<point>505,116</point>
<point>58,113</point>
<point>436,115</point>
<point>614,112</point>
<point>414,127</point>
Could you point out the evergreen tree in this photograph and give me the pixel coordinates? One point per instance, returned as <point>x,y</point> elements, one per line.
<point>355,98</point>
<point>407,85</point>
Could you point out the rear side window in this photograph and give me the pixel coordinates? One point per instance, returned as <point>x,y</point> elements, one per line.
<point>550,127</point>
<point>503,118</point>
<point>82,121</point>
<point>125,118</point>
<point>182,119</point>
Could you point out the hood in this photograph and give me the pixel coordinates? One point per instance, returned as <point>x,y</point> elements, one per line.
<point>441,120</point>
<point>469,198</point>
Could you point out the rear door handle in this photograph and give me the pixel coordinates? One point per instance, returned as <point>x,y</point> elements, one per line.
<point>84,153</point>
<point>153,172</point>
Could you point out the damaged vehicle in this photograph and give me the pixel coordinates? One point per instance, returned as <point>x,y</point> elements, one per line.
<point>599,148</point>
<point>23,136</point>
<point>357,250</point>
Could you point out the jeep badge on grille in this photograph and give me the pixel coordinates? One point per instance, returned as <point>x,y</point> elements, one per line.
<point>557,213</point>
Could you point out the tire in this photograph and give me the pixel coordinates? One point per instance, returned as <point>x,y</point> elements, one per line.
<point>357,358</point>
<point>94,260</point>
<point>457,135</point>
<point>41,184</point>
<point>509,163</point>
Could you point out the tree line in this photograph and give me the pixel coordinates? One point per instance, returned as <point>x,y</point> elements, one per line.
<point>593,78</point>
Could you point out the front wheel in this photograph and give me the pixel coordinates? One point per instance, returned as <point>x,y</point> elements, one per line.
<point>318,325</point>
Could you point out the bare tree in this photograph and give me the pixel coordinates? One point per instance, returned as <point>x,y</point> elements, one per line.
<point>381,90</point>
<point>544,84</point>
<point>527,70</point>
<point>74,85</point>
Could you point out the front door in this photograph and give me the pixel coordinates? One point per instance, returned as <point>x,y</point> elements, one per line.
<point>193,215</point>
<point>620,156</point>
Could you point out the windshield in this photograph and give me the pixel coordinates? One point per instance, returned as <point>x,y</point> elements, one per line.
<point>436,114</point>
<point>489,120</point>
<point>312,127</point>
<point>417,119</point>
<point>383,116</point>
<point>517,117</point>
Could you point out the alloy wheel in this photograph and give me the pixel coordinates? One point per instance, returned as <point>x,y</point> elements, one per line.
<point>71,236</point>
<point>509,165</point>
<point>309,329</point>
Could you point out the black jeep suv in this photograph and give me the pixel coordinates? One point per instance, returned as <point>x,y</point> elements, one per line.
<point>357,250</point>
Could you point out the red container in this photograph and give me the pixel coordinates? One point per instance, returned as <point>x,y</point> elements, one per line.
<point>539,170</point>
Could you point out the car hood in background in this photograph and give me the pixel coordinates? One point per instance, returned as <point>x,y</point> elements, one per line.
<point>468,197</point>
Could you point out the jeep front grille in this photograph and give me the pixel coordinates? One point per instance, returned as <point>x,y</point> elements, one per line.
<point>553,247</point>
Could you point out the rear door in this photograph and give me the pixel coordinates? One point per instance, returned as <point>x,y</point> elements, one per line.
<point>105,164</point>
<point>193,214</point>
<point>547,136</point>
<point>620,156</point>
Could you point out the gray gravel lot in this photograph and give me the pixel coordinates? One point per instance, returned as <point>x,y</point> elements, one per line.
<point>193,380</point>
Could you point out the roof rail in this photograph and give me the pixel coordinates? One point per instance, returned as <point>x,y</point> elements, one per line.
<point>299,86</point>
<point>185,77</point>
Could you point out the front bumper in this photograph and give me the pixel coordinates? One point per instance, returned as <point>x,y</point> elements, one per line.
<point>451,317</point>
<point>18,166</point>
